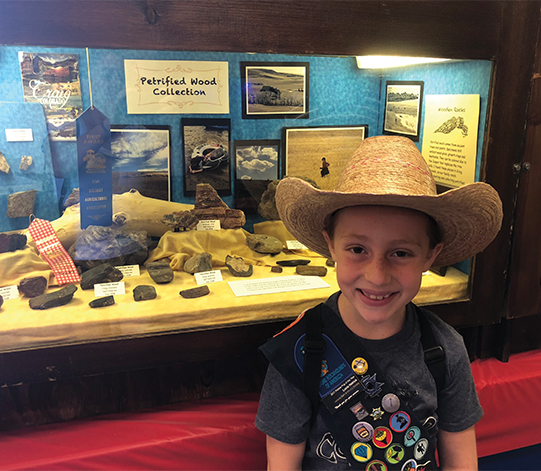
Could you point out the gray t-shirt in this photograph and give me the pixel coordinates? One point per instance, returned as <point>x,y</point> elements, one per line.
<point>284,410</point>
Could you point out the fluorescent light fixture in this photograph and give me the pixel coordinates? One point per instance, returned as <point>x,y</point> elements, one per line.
<point>384,62</point>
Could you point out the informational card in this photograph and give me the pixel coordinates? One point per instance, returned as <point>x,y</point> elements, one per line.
<point>206,277</point>
<point>9,292</point>
<point>129,270</point>
<point>280,284</point>
<point>208,225</point>
<point>159,87</point>
<point>19,135</point>
<point>109,289</point>
<point>295,245</point>
<point>450,138</point>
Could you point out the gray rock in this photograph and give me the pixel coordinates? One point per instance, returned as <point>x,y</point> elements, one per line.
<point>292,263</point>
<point>160,272</point>
<point>198,263</point>
<point>264,243</point>
<point>12,242</point>
<point>4,166</point>
<point>195,292</point>
<point>54,299</point>
<point>33,286</point>
<point>102,302</point>
<point>104,273</point>
<point>311,271</point>
<point>330,262</point>
<point>144,292</point>
<point>21,204</point>
<point>26,161</point>
<point>237,266</point>
<point>99,244</point>
<point>73,198</point>
<point>277,269</point>
<point>267,206</point>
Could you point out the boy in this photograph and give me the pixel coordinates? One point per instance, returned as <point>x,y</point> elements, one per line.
<point>376,404</point>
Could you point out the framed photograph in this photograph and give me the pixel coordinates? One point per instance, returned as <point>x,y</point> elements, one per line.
<point>257,164</point>
<point>320,153</point>
<point>403,107</point>
<point>275,89</point>
<point>142,160</point>
<point>206,154</point>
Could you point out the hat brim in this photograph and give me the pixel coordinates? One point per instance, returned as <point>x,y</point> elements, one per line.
<point>469,217</point>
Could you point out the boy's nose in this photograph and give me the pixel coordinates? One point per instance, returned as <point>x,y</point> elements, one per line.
<point>377,272</point>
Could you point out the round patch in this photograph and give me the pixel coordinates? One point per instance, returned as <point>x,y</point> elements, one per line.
<point>410,465</point>
<point>361,452</point>
<point>363,431</point>
<point>400,421</point>
<point>359,366</point>
<point>420,449</point>
<point>394,453</point>
<point>382,437</point>
<point>376,465</point>
<point>390,403</point>
<point>412,435</point>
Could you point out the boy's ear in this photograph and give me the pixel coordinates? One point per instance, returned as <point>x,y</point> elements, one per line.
<point>432,254</point>
<point>329,242</point>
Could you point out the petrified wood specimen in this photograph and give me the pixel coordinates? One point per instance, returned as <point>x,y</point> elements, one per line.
<point>104,273</point>
<point>195,292</point>
<point>54,299</point>
<point>33,286</point>
<point>238,267</point>
<point>262,243</point>
<point>21,204</point>
<point>208,205</point>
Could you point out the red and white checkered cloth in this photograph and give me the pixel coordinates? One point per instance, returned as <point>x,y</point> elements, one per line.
<point>53,252</point>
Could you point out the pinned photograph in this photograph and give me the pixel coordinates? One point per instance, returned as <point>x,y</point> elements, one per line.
<point>403,107</point>
<point>256,165</point>
<point>142,160</point>
<point>275,89</point>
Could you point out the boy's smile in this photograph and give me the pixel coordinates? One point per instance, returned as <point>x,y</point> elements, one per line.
<point>381,253</point>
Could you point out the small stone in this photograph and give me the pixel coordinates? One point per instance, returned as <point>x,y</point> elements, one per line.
<point>195,292</point>
<point>73,198</point>
<point>12,242</point>
<point>160,272</point>
<point>237,266</point>
<point>1,300</point>
<point>144,292</point>
<point>264,243</point>
<point>26,161</point>
<point>102,302</point>
<point>54,299</point>
<point>4,166</point>
<point>21,204</point>
<point>33,286</point>
<point>198,263</point>
<point>330,262</point>
<point>292,263</point>
<point>311,271</point>
<point>277,269</point>
<point>104,273</point>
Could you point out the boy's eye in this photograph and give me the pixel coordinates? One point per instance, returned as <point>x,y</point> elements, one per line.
<point>357,250</point>
<point>401,254</point>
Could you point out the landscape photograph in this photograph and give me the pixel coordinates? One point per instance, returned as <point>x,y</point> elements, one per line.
<point>403,108</point>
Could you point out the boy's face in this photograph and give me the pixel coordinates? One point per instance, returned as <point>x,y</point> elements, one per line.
<point>381,253</point>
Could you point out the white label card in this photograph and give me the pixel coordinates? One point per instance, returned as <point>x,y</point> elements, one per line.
<point>295,245</point>
<point>280,284</point>
<point>9,292</point>
<point>129,270</point>
<point>19,135</point>
<point>208,225</point>
<point>109,289</point>
<point>206,277</point>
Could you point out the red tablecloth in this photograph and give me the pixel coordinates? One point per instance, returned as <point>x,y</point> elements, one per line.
<point>219,433</point>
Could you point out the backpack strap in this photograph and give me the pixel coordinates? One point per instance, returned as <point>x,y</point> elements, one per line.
<point>314,346</point>
<point>434,353</point>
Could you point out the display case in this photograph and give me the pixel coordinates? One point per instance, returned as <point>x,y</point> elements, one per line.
<point>73,360</point>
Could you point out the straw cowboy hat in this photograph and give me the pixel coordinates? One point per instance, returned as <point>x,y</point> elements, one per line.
<point>390,171</point>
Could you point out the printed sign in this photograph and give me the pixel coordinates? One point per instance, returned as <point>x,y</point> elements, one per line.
<point>450,138</point>
<point>157,87</point>
<point>53,80</point>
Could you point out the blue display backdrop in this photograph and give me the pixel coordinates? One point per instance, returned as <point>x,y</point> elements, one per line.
<point>340,94</point>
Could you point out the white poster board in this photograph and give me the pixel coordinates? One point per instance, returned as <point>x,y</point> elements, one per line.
<point>167,87</point>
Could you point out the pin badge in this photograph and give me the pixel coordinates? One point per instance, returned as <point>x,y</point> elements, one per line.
<point>430,422</point>
<point>359,411</point>
<point>382,437</point>
<point>394,454</point>
<point>400,421</point>
<point>371,386</point>
<point>390,403</point>
<point>363,431</point>
<point>410,465</point>
<point>359,366</point>
<point>377,413</point>
<point>412,435</point>
<point>376,465</point>
<point>361,452</point>
<point>420,448</point>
